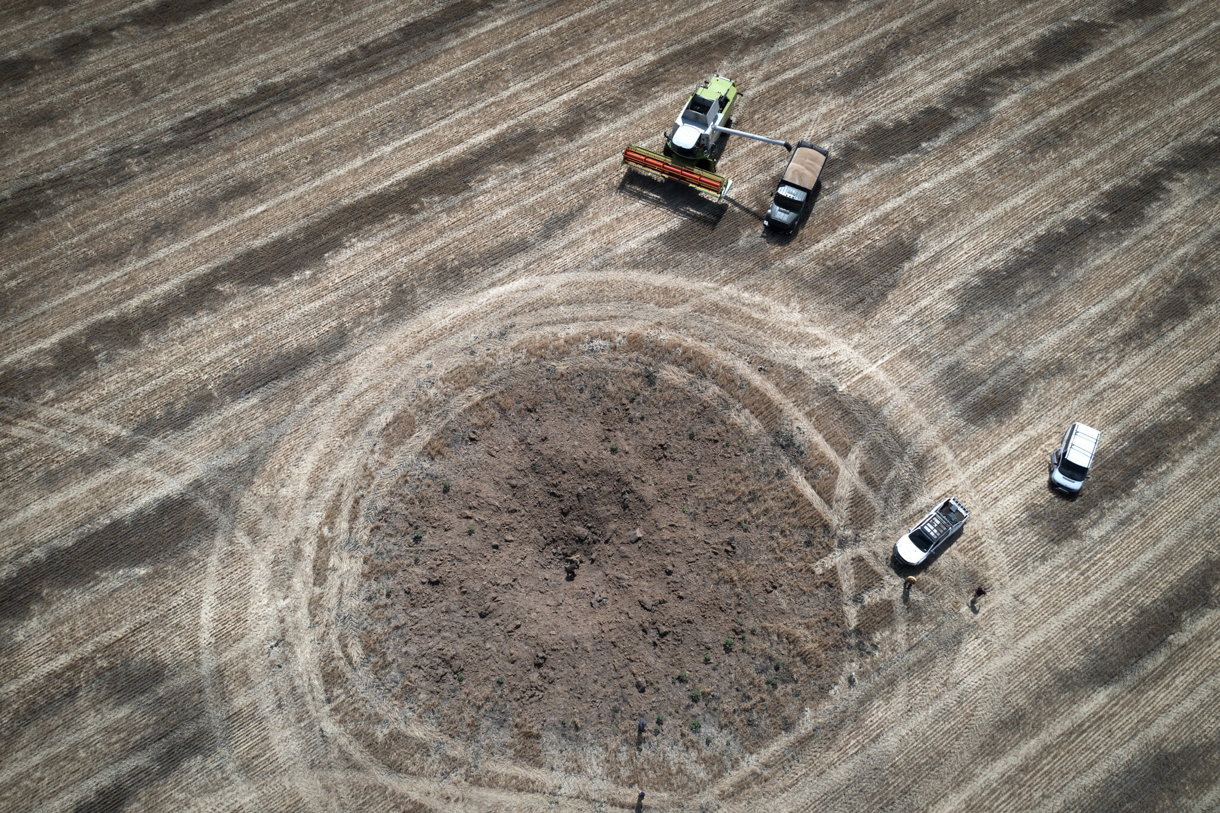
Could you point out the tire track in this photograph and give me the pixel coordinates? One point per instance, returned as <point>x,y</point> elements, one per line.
<point>90,89</point>
<point>1024,646</point>
<point>449,154</point>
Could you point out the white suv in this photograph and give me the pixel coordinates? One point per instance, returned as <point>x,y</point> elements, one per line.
<point>1071,461</point>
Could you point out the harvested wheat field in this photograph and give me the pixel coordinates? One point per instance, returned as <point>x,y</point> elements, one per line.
<point>371,440</point>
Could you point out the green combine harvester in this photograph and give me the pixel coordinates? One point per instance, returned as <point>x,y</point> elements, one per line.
<point>697,140</point>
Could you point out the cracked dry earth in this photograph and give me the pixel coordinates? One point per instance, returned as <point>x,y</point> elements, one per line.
<point>371,440</point>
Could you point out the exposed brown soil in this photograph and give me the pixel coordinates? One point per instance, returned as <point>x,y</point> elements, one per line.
<point>610,515</point>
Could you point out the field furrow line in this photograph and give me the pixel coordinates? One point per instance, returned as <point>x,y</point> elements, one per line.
<point>935,722</point>
<point>370,162</point>
<point>1165,674</point>
<point>140,113</point>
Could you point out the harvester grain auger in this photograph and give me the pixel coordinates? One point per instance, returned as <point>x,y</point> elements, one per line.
<point>697,139</point>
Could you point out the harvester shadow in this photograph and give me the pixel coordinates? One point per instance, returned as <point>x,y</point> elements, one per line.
<point>673,196</point>
<point>756,215</point>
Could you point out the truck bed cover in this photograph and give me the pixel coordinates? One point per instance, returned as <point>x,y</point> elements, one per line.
<point>804,167</point>
<point>941,523</point>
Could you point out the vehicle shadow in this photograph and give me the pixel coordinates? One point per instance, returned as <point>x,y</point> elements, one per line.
<point>672,196</point>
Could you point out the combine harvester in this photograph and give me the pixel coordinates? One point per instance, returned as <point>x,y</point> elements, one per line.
<point>697,139</point>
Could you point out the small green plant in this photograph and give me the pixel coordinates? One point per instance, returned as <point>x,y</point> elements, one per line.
<point>690,434</point>
<point>707,657</point>
<point>728,644</point>
<point>753,630</point>
<point>656,730</point>
<point>682,677</point>
<point>690,476</point>
<point>778,664</point>
<point>631,398</point>
<point>773,682</point>
<point>707,741</point>
<point>445,486</point>
<point>417,558</point>
<point>695,726</point>
<point>470,530</point>
<point>460,676</point>
<point>417,534</point>
<point>695,694</point>
<point>660,719</point>
<point>499,681</point>
<point>613,448</point>
<point>563,723</point>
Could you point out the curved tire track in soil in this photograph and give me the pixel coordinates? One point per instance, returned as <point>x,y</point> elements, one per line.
<point>579,305</point>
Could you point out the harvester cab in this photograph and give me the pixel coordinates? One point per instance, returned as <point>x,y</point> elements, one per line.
<point>697,139</point>
<point>694,137</point>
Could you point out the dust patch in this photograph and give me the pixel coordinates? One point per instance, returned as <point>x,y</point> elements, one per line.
<point>1060,256</point>
<point>588,512</point>
<point>1145,630</point>
<point>968,104</point>
<point>150,536</point>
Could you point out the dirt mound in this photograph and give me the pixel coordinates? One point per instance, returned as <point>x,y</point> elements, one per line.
<point>605,554</point>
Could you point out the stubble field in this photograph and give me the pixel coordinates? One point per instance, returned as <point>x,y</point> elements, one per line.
<point>371,440</point>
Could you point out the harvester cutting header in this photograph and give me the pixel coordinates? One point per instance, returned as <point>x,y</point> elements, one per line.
<point>697,140</point>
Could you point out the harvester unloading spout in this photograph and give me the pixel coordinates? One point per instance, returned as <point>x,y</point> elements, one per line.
<point>697,139</point>
<point>779,142</point>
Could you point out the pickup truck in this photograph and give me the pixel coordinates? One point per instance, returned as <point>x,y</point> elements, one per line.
<point>933,530</point>
<point>794,195</point>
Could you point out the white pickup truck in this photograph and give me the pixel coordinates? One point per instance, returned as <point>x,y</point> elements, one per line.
<point>933,530</point>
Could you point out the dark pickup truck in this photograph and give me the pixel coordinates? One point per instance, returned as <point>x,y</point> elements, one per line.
<point>794,195</point>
